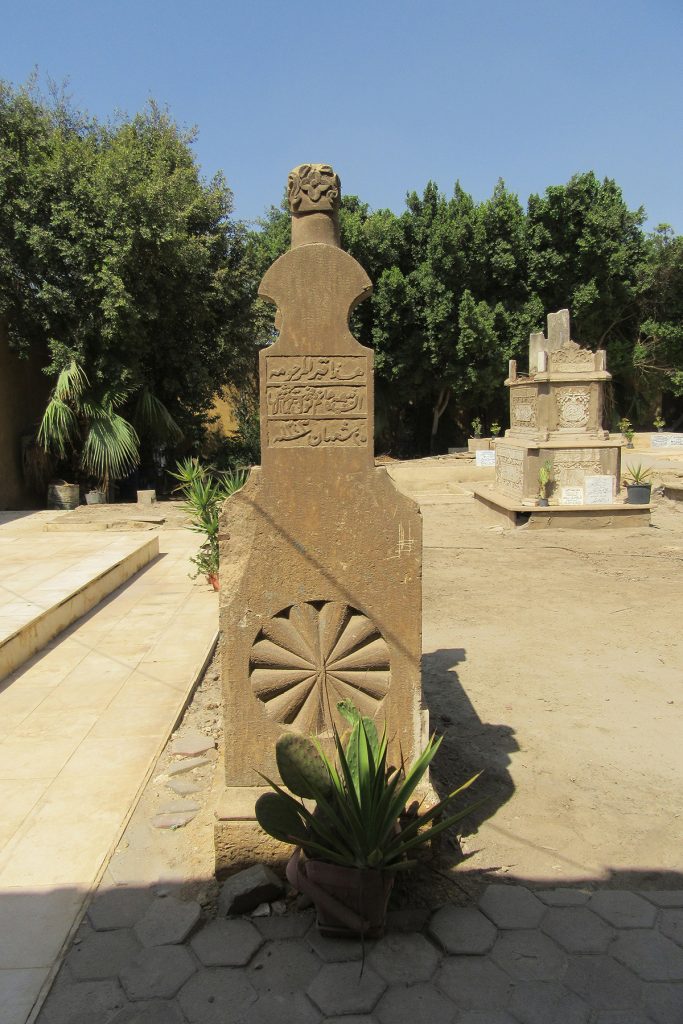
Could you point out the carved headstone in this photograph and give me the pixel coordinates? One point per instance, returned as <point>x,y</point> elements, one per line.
<point>321,556</point>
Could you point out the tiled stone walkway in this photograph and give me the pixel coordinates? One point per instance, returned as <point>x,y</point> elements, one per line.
<point>560,956</point>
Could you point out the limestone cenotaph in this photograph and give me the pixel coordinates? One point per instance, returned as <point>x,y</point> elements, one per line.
<point>321,556</point>
<point>556,419</point>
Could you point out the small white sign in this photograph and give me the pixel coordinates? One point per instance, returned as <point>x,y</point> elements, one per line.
<point>666,441</point>
<point>599,490</point>
<point>571,496</point>
<point>485,458</point>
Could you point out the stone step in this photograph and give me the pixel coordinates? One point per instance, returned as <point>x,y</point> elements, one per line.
<point>46,585</point>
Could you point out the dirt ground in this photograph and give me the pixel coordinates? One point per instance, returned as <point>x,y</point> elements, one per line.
<point>554,661</point>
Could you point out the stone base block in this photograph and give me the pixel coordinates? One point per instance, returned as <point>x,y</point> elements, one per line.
<point>506,512</point>
<point>239,840</point>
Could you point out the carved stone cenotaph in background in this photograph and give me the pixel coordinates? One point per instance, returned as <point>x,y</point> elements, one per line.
<point>556,416</point>
<point>321,556</point>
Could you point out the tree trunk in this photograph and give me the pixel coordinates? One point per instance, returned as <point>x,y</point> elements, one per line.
<point>437,412</point>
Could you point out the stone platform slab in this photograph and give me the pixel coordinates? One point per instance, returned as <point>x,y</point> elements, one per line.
<point>46,584</point>
<point>82,725</point>
<point>508,512</point>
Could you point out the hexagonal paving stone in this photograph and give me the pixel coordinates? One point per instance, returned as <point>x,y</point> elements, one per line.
<point>226,943</point>
<point>563,897</point>
<point>663,1002</point>
<point>577,930</point>
<point>650,955</point>
<point>671,925</point>
<point>484,1017</point>
<point>603,983</point>
<point>337,951</point>
<point>158,973</point>
<point>287,966</point>
<point>81,1003</point>
<point>271,1008</point>
<point>341,989</point>
<point>540,1002</point>
<point>403,1004</point>
<point>512,906</point>
<point>623,909</point>
<point>664,897</point>
<point>474,983</point>
<point>288,926</point>
<point>529,956</point>
<point>155,1012</point>
<point>118,908</point>
<point>167,922</point>
<point>216,996</point>
<point>100,955</point>
<point>404,959</point>
<point>462,930</point>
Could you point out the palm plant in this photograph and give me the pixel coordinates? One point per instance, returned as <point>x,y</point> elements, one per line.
<point>87,425</point>
<point>76,420</point>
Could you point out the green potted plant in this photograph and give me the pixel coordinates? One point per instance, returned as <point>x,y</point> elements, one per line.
<point>477,443</point>
<point>638,484</point>
<point>357,837</point>
<point>545,476</point>
<point>495,429</point>
<point>627,430</point>
<point>204,491</point>
<point>658,423</point>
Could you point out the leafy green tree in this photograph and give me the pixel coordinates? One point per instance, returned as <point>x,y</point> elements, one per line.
<point>116,253</point>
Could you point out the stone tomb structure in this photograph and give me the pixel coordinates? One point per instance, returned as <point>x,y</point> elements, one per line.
<point>321,556</point>
<point>556,416</point>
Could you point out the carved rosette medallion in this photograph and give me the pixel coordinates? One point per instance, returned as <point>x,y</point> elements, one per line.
<point>310,656</point>
<point>573,407</point>
<point>523,409</point>
<point>312,187</point>
<point>510,471</point>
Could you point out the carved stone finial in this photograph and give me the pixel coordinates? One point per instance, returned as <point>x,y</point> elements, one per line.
<point>313,188</point>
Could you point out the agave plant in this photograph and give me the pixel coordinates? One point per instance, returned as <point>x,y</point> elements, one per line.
<point>358,820</point>
<point>204,490</point>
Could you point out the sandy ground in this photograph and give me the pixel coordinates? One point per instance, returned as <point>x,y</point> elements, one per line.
<point>554,661</point>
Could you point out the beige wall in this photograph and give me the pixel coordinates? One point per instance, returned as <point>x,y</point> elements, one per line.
<point>23,393</point>
<point>224,408</point>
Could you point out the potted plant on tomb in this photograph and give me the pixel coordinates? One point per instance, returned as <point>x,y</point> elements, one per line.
<point>495,430</point>
<point>658,423</point>
<point>358,835</point>
<point>477,443</point>
<point>637,479</point>
<point>626,428</point>
<point>204,491</point>
<point>545,476</point>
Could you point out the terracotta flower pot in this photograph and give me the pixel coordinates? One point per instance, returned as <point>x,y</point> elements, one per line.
<point>348,901</point>
<point>214,580</point>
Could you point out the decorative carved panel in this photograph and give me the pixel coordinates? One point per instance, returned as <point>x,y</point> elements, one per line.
<point>510,471</point>
<point>311,655</point>
<point>570,467</point>
<point>572,360</point>
<point>573,407</point>
<point>523,410</point>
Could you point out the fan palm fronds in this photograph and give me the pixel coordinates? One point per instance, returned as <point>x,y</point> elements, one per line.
<point>152,418</point>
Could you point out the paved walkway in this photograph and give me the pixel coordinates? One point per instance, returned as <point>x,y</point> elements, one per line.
<point>561,956</point>
<point>81,727</point>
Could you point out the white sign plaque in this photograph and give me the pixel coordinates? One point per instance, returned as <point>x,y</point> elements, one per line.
<point>485,458</point>
<point>599,490</point>
<point>666,441</point>
<point>571,496</point>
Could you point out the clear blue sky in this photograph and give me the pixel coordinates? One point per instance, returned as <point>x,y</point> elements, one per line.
<point>391,93</point>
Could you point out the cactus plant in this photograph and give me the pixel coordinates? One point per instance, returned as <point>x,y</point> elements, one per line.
<point>300,766</point>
